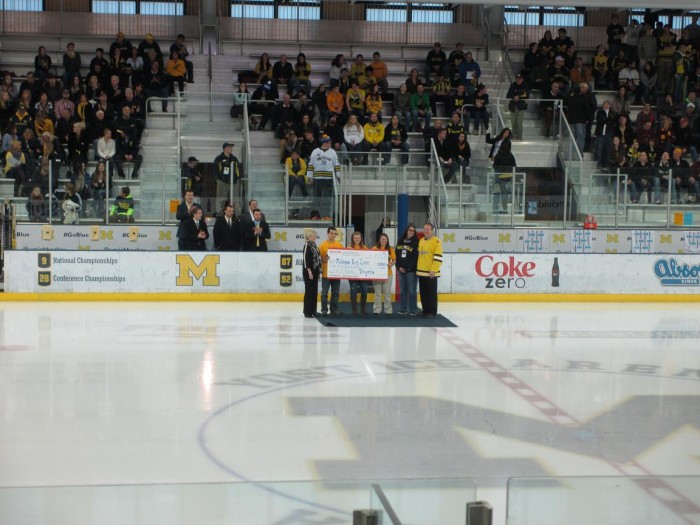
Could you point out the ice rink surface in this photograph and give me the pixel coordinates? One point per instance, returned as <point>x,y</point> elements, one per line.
<point>134,393</point>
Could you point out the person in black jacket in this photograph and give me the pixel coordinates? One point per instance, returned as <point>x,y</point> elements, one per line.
<point>196,230</point>
<point>518,93</point>
<point>395,137</point>
<point>183,214</point>
<point>256,233</point>
<point>406,263</point>
<point>580,108</point>
<point>227,232</point>
<point>311,273</point>
<point>445,153</point>
<point>227,172</point>
<point>605,120</point>
<point>503,162</point>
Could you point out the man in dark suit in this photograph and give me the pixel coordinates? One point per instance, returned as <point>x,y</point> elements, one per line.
<point>247,216</point>
<point>184,212</point>
<point>226,232</point>
<point>255,234</point>
<point>197,232</point>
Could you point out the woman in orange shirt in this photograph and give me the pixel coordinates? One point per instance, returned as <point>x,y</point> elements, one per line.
<point>384,287</point>
<point>356,286</point>
<point>335,101</point>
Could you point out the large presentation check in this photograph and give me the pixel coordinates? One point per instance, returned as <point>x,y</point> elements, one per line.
<point>371,265</point>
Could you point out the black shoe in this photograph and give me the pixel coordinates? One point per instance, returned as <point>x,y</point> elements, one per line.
<point>308,316</point>
<point>336,313</point>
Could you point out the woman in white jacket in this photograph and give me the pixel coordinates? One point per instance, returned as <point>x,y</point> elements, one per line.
<point>353,136</point>
<point>106,149</point>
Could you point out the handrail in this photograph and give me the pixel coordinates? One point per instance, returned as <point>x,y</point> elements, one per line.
<point>440,181</point>
<point>486,32</point>
<point>573,149</point>
<point>248,151</point>
<point>211,95</point>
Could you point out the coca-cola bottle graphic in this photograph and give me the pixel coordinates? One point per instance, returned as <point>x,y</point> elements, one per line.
<point>555,273</point>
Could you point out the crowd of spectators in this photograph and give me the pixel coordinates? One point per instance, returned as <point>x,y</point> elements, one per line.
<point>82,112</point>
<point>598,96</point>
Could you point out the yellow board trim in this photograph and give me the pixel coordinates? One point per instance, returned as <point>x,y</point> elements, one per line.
<point>286,298</point>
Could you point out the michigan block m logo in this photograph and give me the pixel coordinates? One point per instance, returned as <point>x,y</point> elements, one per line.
<point>188,269</point>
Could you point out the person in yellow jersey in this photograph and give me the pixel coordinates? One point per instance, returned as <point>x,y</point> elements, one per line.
<point>428,270</point>
<point>326,283</point>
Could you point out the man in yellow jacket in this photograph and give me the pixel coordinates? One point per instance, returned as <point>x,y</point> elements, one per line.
<point>374,134</point>
<point>428,270</point>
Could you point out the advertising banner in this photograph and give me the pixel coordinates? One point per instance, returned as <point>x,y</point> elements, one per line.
<point>365,265</point>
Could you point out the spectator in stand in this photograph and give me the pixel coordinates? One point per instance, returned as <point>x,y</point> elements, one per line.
<point>402,106</point>
<point>453,61</point>
<point>115,93</point>
<point>305,107</point>
<point>647,83</point>
<point>64,126</point>
<point>581,73</point>
<point>616,33</point>
<point>25,99</point>
<point>435,62</point>
<point>629,78</point>
<point>177,72</point>
<point>263,99</point>
<point>78,145</point>
<point>307,125</point>
<point>647,46</point>
<point>104,105</point>
<point>263,69</point>
<point>442,89</point>
<point>445,154</point>
<point>295,167</point>
<point>358,67</point>
<point>240,98</point>
<point>42,65</point>
<point>682,178</point>
<point>107,149</point>
<point>549,105</point>
<point>601,68</point>
<point>117,63</point>
<point>335,102</point>
<point>44,105</point>
<point>470,72</point>
<point>531,60</point>
<point>156,84</point>
<point>353,140</point>
<point>479,111</point>
<point>22,119</point>
<point>459,102</point>
<point>546,46</point>
<point>683,62</point>
<point>395,137</point>
<point>345,82</point>
<point>412,81</point>
<point>302,71</point>
<point>570,57</point>
<point>100,59</point>
<point>380,72</point>
<point>122,210</point>
<point>8,86</point>
<point>374,134</point>
<point>93,88</point>
<point>620,103</point>
<point>7,109</point>
<point>664,63</point>
<point>15,166</point>
<point>122,44</point>
<point>580,106</point>
<point>127,148</point>
<point>180,47</point>
<point>64,103</point>
<point>431,134</point>
<point>283,73</point>
<point>9,136</point>
<point>308,145</point>
<point>355,101</point>
<point>685,139</point>
<point>420,108</point>
<point>283,112</point>
<point>633,34</point>
<point>455,127</point>
<point>624,131</point>
<point>518,93</point>
<point>562,42</point>
<point>373,102</point>
<point>558,74</point>
<point>463,154</point>
<point>192,177</point>
<point>319,101</point>
<point>288,140</point>
<point>42,123</point>
<point>71,63</point>
<point>338,64</point>
<point>149,50</point>
<point>30,84</point>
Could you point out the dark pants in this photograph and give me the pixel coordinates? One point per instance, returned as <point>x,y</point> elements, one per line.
<point>428,294</point>
<point>310,294</point>
<point>334,286</point>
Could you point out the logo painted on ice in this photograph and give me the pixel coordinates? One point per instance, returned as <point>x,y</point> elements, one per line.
<point>670,272</point>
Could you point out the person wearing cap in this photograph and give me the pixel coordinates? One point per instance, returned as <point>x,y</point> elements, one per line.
<point>122,43</point>
<point>227,172</point>
<point>469,72</point>
<point>150,51</point>
<point>435,62</point>
<point>518,93</point>
<point>181,49</point>
<point>322,168</point>
<point>71,63</point>
<point>22,119</point>
<point>559,74</point>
